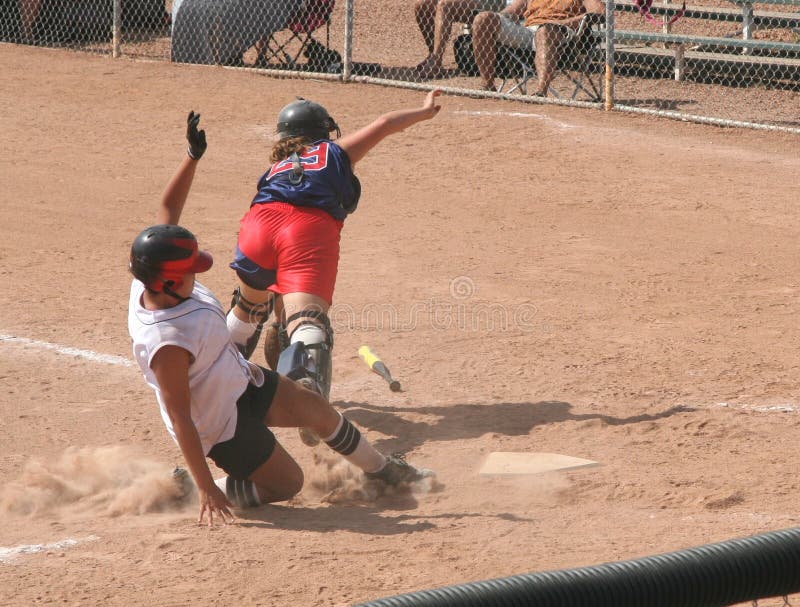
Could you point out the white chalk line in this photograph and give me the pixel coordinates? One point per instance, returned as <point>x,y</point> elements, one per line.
<point>108,359</point>
<point>776,408</point>
<point>541,117</point>
<point>124,362</point>
<point>9,554</point>
<point>785,408</point>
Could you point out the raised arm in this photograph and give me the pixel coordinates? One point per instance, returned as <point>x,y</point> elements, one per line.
<point>358,144</point>
<point>177,190</point>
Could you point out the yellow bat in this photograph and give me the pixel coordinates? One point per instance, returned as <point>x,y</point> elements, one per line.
<point>378,366</point>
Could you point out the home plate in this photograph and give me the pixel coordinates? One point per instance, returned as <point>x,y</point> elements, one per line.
<point>499,462</point>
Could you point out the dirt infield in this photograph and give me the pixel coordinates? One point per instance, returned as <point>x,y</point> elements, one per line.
<point>539,278</point>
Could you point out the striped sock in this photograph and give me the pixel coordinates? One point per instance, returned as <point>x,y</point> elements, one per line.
<point>347,440</point>
<point>242,494</point>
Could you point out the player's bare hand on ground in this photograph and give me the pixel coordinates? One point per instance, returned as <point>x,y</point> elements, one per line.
<point>214,503</point>
<point>196,139</point>
<point>430,103</point>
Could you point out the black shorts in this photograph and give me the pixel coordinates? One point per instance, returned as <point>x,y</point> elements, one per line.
<point>252,443</point>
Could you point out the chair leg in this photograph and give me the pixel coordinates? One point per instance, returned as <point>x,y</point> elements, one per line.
<point>584,69</point>
<point>522,82</point>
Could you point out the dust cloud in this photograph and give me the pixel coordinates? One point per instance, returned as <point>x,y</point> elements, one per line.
<point>340,482</point>
<point>108,480</point>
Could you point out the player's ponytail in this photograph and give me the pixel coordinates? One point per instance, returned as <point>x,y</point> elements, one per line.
<point>286,147</point>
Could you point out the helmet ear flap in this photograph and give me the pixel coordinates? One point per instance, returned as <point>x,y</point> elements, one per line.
<point>147,274</point>
<point>331,125</point>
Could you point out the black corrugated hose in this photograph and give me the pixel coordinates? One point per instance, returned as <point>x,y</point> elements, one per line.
<point>713,575</point>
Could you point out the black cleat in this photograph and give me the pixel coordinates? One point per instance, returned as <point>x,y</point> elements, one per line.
<point>397,471</point>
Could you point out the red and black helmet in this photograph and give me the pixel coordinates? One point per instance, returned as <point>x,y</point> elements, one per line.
<point>162,255</point>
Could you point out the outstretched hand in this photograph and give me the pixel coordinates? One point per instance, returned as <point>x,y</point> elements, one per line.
<point>214,502</point>
<point>197,139</point>
<point>430,103</point>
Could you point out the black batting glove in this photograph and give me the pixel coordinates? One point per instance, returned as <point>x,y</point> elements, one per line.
<point>196,139</point>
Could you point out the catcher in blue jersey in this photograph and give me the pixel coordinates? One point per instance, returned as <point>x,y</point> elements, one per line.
<point>287,252</point>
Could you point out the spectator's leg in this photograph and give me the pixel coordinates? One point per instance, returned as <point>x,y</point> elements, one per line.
<point>548,41</point>
<point>28,12</point>
<point>261,53</point>
<point>447,13</point>
<point>485,29</point>
<point>425,12</point>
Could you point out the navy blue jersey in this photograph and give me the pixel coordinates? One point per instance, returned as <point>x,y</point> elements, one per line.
<point>326,181</point>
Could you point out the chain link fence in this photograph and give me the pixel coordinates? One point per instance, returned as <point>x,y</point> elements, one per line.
<point>81,24</point>
<point>723,58</point>
<point>722,61</point>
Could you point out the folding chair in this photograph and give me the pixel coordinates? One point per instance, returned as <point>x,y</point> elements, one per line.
<point>579,62</point>
<point>283,49</point>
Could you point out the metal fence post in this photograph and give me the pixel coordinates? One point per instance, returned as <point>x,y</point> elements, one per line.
<point>747,25</point>
<point>347,68</point>
<point>116,29</point>
<point>609,75</point>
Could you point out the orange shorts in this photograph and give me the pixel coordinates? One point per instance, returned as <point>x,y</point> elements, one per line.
<point>288,249</point>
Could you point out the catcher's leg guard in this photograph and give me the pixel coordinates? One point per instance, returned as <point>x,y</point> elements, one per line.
<point>308,359</point>
<point>257,314</point>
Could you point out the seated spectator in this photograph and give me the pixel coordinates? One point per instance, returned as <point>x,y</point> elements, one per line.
<point>435,19</point>
<point>543,25</point>
<point>221,31</point>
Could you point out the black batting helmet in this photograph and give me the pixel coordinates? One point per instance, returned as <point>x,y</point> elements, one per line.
<point>304,118</point>
<point>162,255</point>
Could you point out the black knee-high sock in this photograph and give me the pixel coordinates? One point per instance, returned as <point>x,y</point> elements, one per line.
<point>348,441</point>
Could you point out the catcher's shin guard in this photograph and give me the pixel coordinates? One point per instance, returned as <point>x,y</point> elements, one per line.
<point>312,359</point>
<point>257,314</point>
<point>310,366</point>
<point>307,359</point>
<point>303,362</point>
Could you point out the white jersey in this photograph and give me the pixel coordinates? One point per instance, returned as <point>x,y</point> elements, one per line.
<point>218,373</point>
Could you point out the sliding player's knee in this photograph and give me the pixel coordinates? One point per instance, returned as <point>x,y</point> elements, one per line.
<point>280,479</point>
<point>290,484</point>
